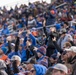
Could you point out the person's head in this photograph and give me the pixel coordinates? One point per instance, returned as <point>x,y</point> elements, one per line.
<point>65,25</point>
<point>63,32</point>
<point>3,50</point>
<point>70,53</point>
<point>12,46</point>
<point>67,45</point>
<point>17,59</point>
<point>53,58</point>
<point>59,69</point>
<point>49,72</point>
<point>74,16</point>
<point>30,17</point>
<point>1,41</point>
<point>52,29</point>
<point>20,47</point>
<point>29,42</point>
<point>41,51</point>
<point>29,63</point>
<point>21,40</point>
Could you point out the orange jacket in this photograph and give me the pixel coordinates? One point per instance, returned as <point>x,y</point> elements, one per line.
<point>4,57</point>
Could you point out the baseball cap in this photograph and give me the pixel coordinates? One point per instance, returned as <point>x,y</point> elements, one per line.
<point>61,67</point>
<point>72,49</point>
<point>16,57</point>
<point>62,31</point>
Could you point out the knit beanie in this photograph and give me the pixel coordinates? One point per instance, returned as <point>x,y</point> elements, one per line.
<point>42,50</point>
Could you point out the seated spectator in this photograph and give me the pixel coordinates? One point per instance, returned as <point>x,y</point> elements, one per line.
<point>31,21</point>
<point>5,30</point>
<point>2,68</point>
<point>58,69</point>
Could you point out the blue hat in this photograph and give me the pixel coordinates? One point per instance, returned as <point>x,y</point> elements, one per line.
<point>4,49</point>
<point>58,26</point>
<point>54,56</point>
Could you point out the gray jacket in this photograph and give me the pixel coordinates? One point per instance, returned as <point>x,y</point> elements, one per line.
<point>62,41</point>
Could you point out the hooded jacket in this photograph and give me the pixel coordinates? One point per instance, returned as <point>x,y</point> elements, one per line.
<point>40,69</point>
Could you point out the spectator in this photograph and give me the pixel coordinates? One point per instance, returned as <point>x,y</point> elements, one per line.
<point>2,68</point>
<point>58,69</point>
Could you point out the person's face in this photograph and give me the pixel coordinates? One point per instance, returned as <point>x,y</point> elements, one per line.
<point>53,29</point>
<point>29,66</point>
<point>5,27</point>
<point>28,43</point>
<point>39,54</point>
<point>65,25</point>
<point>20,48</point>
<point>56,72</point>
<point>21,41</point>
<point>65,47</point>
<point>18,63</point>
<point>30,17</point>
<point>1,52</point>
<point>38,19</point>
<point>62,35</point>
<point>66,56</point>
<point>52,60</point>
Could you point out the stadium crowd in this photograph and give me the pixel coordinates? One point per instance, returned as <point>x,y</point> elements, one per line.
<point>29,47</point>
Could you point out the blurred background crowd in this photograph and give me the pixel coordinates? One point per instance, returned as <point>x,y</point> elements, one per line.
<point>38,39</point>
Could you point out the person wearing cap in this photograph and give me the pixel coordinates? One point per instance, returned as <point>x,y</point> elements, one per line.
<point>53,59</point>
<point>16,61</point>
<point>71,54</point>
<point>3,52</point>
<point>42,58</point>
<point>64,38</point>
<point>57,69</point>
<point>41,52</point>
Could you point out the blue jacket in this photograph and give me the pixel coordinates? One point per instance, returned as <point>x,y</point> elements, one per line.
<point>40,69</point>
<point>22,55</point>
<point>5,31</point>
<point>31,37</point>
<point>39,24</point>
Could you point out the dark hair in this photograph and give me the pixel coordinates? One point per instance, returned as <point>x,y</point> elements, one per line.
<point>15,67</point>
<point>66,23</point>
<point>49,72</point>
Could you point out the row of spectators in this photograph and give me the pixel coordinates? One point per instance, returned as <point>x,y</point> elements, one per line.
<point>46,51</point>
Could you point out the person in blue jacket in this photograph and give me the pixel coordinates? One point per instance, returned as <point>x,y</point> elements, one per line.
<point>20,51</point>
<point>5,30</point>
